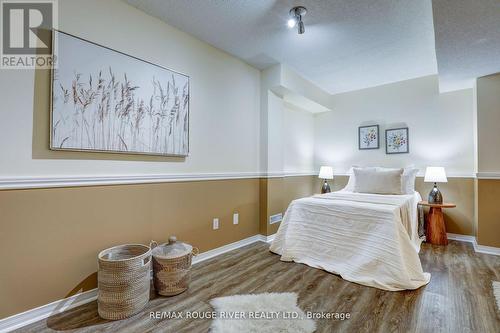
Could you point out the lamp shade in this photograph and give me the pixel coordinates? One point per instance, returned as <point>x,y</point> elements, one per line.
<point>435,175</point>
<point>326,172</point>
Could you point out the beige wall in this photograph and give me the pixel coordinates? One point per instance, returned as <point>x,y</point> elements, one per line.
<point>297,187</point>
<point>276,195</point>
<point>460,191</point>
<point>275,201</point>
<point>50,238</point>
<point>263,206</point>
<point>488,201</point>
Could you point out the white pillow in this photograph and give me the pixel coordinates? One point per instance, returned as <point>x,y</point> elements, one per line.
<point>352,179</point>
<point>408,182</point>
<point>408,179</point>
<point>350,183</point>
<point>373,180</point>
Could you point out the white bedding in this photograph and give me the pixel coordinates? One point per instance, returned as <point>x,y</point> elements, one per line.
<point>370,239</point>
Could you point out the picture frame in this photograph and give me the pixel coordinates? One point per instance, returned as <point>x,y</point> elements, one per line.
<point>397,141</point>
<point>368,137</point>
<point>104,100</point>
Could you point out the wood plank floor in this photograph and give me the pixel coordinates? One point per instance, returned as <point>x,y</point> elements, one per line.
<point>459,297</point>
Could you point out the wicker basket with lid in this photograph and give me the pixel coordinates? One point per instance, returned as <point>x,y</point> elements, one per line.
<point>171,266</point>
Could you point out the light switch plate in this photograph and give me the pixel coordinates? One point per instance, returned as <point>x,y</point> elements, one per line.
<point>236,218</point>
<point>216,223</point>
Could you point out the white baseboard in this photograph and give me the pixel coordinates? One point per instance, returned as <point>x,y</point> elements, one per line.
<point>462,238</point>
<point>478,248</point>
<point>226,248</point>
<point>487,249</point>
<point>25,318</point>
<point>267,239</point>
<point>270,238</point>
<point>28,317</point>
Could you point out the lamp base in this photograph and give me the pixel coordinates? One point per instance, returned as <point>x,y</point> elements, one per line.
<point>325,188</point>
<point>435,196</point>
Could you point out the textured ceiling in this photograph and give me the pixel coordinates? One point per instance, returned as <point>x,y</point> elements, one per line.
<point>467,41</point>
<point>348,44</point>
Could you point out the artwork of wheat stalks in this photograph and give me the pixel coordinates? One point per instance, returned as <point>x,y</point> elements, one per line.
<point>105,111</point>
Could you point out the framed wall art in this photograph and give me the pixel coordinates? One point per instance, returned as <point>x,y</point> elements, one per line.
<point>397,141</point>
<point>368,137</point>
<point>107,101</point>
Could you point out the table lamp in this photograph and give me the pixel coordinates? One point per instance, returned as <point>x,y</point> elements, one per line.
<point>435,175</point>
<point>325,172</point>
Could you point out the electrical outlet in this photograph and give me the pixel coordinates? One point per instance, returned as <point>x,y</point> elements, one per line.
<point>216,224</point>
<point>236,218</point>
<point>275,218</point>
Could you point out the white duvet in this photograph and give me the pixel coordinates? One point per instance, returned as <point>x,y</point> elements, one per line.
<point>370,239</point>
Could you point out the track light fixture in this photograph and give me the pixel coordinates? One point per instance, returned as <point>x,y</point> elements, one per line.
<point>295,19</point>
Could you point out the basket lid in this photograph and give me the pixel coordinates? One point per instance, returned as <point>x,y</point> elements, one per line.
<point>172,249</point>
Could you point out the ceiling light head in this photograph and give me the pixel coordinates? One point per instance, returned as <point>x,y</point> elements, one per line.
<point>296,14</point>
<point>301,28</point>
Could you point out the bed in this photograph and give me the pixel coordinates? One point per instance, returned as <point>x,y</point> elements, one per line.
<point>370,239</point>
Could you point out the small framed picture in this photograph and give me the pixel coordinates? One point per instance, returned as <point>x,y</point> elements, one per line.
<point>396,141</point>
<point>368,137</point>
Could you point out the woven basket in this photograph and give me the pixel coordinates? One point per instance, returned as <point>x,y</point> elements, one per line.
<point>123,280</point>
<point>171,276</point>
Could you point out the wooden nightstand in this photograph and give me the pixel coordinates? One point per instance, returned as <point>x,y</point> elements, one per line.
<point>435,230</point>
